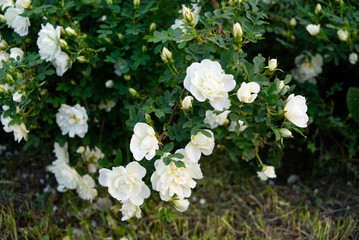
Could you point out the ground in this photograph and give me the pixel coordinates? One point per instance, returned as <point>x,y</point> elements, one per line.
<point>230,202</point>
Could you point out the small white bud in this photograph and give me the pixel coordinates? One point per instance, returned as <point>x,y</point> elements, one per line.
<point>187,102</point>
<point>272,65</point>
<point>70,31</point>
<point>318,8</point>
<point>285,133</point>
<point>313,29</point>
<point>152,27</point>
<point>181,205</point>
<point>133,92</point>
<point>82,59</point>
<point>80,149</point>
<point>166,55</point>
<point>293,22</point>
<point>343,35</point>
<point>63,43</point>
<point>136,4</point>
<point>3,45</point>
<point>188,15</point>
<point>281,84</point>
<point>237,32</point>
<point>353,58</point>
<point>109,84</point>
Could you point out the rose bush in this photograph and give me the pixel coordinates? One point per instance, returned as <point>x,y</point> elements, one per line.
<point>132,90</point>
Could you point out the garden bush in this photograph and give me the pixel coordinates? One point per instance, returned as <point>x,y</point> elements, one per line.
<point>134,95</point>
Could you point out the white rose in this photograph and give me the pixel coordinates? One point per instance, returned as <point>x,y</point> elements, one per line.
<point>267,172</point>
<point>232,126</point>
<point>170,179</point>
<point>187,102</point>
<point>108,106</point>
<point>181,205</point>
<point>86,188</point>
<point>66,176</point>
<point>285,133</point>
<point>143,142</point>
<point>6,3</point>
<point>353,58</point>
<point>23,3</point>
<point>72,120</point>
<point>20,131</point>
<point>215,120</point>
<point>343,35</point>
<point>130,210</point>
<point>248,92</point>
<point>19,23</point>
<point>308,67</point>
<point>207,80</point>
<point>313,29</point>
<point>119,66</point>
<point>61,63</point>
<point>15,52</point>
<point>295,110</point>
<point>125,184</point>
<point>109,84</point>
<point>61,153</point>
<point>17,96</point>
<point>48,42</point>
<point>200,143</point>
<point>4,56</point>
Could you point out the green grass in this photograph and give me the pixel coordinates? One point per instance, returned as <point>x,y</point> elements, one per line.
<point>238,206</point>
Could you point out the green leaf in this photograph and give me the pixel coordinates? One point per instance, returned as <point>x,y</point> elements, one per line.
<point>206,133</point>
<point>159,113</point>
<point>118,158</point>
<point>167,160</point>
<point>103,162</point>
<point>182,45</point>
<point>258,63</point>
<point>178,155</point>
<point>179,164</point>
<point>169,147</point>
<point>353,103</point>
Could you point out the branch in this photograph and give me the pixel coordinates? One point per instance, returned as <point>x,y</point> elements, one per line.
<point>171,118</point>
<point>220,27</point>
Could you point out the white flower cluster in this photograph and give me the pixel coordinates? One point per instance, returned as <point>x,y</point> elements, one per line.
<point>12,14</point>
<point>50,49</point>
<point>68,178</point>
<point>307,67</point>
<point>91,157</point>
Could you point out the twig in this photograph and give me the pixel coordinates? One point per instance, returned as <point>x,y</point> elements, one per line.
<point>220,27</point>
<point>171,118</point>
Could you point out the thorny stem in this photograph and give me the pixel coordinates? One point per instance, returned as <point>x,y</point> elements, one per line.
<point>220,27</point>
<point>171,118</point>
